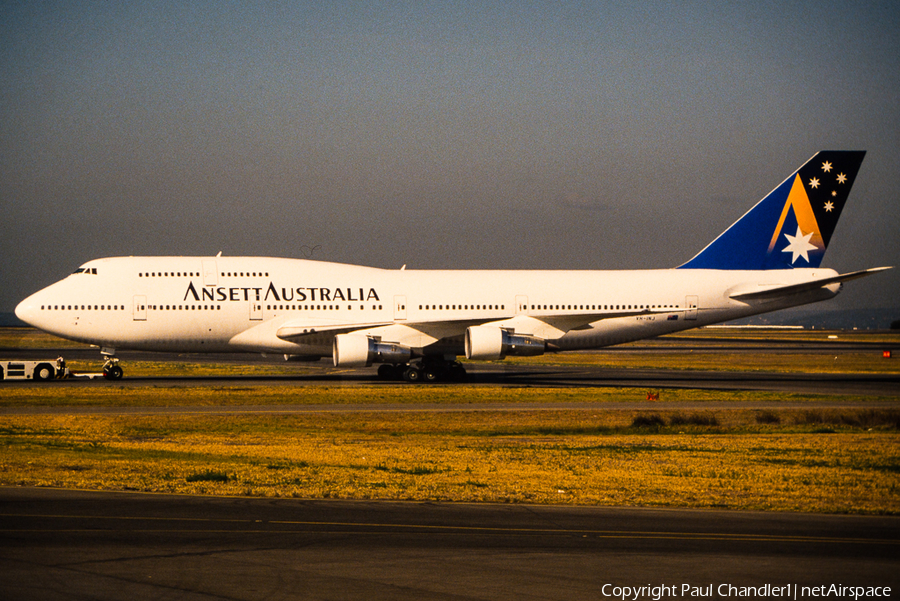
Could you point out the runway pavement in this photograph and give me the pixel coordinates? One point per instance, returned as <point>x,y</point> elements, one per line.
<point>508,374</point>
<point>57,544</point>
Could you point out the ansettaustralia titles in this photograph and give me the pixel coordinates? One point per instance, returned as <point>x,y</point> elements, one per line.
<point>276,294</point>
<point>764,591</point>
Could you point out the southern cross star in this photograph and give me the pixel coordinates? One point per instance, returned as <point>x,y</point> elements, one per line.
<point>799,245</point>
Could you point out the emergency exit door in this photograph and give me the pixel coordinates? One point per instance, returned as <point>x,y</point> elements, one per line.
<point>521,304</point>
<point>140,308</point>
<point>210,273</point>
<point>691,303</point>
<point>256,311</point>
<point>399,308</point>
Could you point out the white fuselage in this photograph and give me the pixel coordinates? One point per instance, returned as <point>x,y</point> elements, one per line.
<point>239,304</point>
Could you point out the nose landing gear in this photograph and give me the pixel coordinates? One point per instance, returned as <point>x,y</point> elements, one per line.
<point>111,369</point>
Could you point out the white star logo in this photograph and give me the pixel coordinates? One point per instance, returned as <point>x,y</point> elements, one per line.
<point>841,178</point>
<point>799,245</point>
<point>829,206</point>
<point>826,166</point>
<point>814,183</point>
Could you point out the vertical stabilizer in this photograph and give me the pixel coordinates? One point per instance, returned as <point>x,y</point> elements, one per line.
<point>792,226</point>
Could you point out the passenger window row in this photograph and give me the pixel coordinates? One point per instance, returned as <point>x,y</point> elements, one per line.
<point>598,307</point>
<point>317,307</point>
<point>182,307</point>
<point>193,274</point>
<point>462,307</point>
<point>82,307</point>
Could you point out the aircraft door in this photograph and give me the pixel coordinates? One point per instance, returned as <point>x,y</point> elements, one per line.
<point>210,273</point>
<point>399,308</point>
<point>521,304</point>
<point>140,308</point>
<point>256,311</point>
<point>691,303</point>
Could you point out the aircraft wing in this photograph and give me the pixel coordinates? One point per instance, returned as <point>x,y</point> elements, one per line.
<point>782,291</point>
<point>550,327</point>
<point>418,334</point>
<point>296,331</point>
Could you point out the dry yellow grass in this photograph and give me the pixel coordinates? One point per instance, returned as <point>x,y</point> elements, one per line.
<point>535,457</point>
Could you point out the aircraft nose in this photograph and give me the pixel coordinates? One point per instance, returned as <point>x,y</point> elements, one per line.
<point>27,310</point>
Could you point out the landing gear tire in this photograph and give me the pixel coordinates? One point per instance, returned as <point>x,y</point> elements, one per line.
<point>113,372</point>
<point>432,374</point>
<point>435,370</point>
<point>412,375</point>
<point>426,371</point>
<point>44,371</point>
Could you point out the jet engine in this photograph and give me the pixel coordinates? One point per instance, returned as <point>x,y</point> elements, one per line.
<point>486,343</point>
<point>357,350</point>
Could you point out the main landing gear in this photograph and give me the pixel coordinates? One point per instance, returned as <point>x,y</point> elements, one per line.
<point>426,370</point>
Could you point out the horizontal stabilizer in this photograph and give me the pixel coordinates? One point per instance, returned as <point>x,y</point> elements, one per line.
<point>782,291</point>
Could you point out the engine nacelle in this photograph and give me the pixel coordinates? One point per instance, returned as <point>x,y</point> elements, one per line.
<point>487,343</point>
<point>357,350</point>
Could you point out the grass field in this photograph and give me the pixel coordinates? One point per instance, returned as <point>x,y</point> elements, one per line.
<point>831,461</point>
<point>779,458</point>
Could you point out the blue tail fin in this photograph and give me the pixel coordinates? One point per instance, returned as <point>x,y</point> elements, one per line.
<point>791,227</point>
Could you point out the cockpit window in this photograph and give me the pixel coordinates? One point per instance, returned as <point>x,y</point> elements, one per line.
<point>91,270</point>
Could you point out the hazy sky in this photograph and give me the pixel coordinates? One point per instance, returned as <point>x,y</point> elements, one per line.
<point>436,134</point>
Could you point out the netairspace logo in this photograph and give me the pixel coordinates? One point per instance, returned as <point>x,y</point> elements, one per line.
<point>765,591</point>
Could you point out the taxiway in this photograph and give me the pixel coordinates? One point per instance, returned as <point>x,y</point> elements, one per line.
<point>511,374</point>
<point>60,544</point>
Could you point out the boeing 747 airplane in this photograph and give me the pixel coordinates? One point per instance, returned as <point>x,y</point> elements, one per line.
<point>417,322</point>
